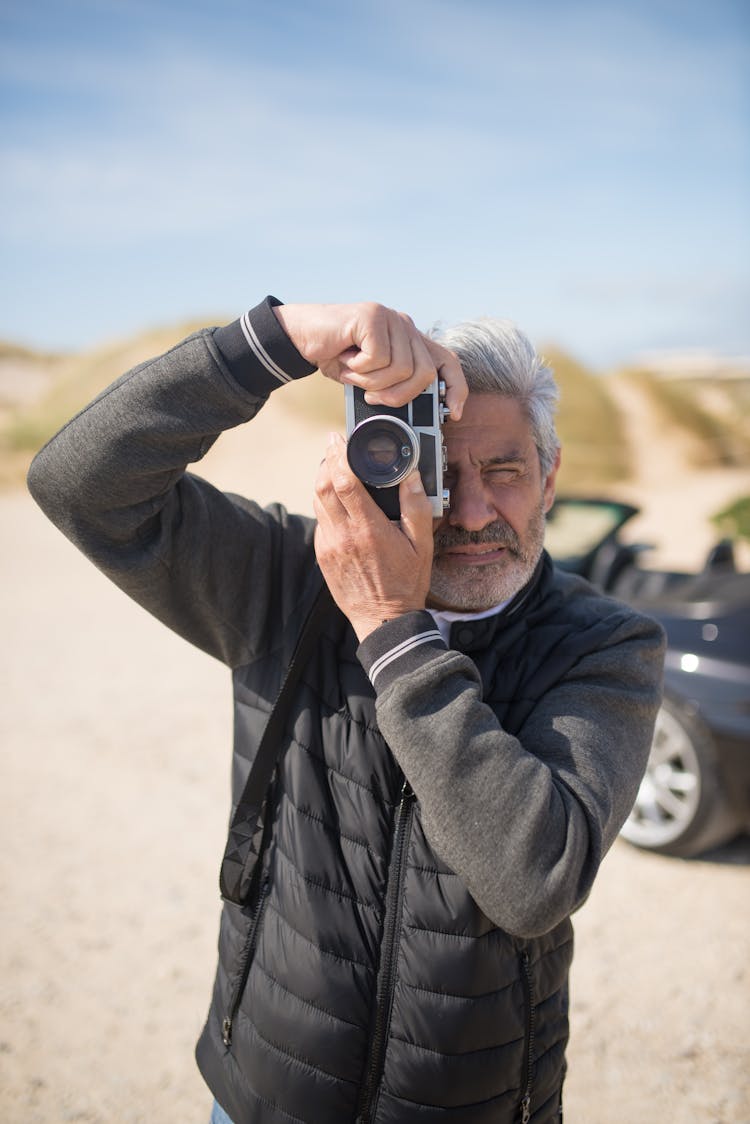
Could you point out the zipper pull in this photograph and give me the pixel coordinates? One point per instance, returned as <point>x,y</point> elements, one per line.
<point>526,1109</point>
<point>226,1031</point>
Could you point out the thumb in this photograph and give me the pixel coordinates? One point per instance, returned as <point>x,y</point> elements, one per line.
<point>416,510</point>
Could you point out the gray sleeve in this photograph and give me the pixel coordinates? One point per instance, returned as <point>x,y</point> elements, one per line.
<point>526,820</point>
<point>211,566</point>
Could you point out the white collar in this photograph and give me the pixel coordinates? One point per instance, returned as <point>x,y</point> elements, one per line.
<point>444,618</point>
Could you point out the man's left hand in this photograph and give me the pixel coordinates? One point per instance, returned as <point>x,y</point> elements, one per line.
<point>376,569</point>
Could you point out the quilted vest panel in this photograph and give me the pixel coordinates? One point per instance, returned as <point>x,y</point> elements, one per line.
<point>362,983</point>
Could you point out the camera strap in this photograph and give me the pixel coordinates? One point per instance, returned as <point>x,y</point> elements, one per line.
<point>245,841</point>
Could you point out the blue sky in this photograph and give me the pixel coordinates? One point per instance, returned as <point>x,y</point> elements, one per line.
<point>581,167</point>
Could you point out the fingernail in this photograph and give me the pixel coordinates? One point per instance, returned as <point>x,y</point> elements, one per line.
<point>414,483</point>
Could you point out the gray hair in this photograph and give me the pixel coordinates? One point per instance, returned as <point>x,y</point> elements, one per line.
<point>497,358</point>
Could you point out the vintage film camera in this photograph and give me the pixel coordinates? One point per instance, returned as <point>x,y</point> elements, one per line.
<point>385,444</point>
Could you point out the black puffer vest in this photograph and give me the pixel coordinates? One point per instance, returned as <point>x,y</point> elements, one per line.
<point>362,983</point>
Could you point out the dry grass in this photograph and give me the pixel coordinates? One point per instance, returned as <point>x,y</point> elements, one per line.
<point>78,379</point>
<point>595,451</point>
<point>712,414</point>
<point>589,424</point>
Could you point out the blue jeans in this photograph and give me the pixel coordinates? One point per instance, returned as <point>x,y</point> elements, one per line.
<point>218,1115</point>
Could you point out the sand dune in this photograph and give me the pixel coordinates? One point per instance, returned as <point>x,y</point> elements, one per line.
<point>113,806</point>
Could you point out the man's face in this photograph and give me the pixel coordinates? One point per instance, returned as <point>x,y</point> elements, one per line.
<point>488,544</point>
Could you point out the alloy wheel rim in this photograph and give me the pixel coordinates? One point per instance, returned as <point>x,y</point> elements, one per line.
<point>670,791</point>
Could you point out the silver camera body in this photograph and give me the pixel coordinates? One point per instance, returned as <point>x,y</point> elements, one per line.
<point>385,444</point>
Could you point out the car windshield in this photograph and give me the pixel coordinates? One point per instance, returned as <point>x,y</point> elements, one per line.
<point>575,527</point>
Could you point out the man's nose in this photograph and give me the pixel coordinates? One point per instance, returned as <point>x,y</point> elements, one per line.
<point>471,506</point>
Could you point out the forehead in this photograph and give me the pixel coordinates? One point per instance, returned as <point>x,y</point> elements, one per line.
<point>491,426</point>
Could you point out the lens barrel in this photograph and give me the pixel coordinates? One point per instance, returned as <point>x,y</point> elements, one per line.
<point>382,451</point>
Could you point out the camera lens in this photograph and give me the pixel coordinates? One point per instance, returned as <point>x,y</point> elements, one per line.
<point>382,450</point>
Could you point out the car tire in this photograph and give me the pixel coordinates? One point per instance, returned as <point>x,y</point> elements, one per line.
<point>680,808</point>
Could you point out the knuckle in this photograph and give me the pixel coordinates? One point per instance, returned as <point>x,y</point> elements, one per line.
<point>377,380</point>
<point>374,311</point>
<point>344,482</point>
<point>322,484</point>
<point>397,395</point>
<point>442,354</point>
<point>425,369</point>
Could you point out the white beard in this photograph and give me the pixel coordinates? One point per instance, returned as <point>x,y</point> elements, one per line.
<point>475,588</point>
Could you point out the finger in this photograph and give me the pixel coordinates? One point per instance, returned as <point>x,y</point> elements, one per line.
<point>416,512</point>
<point>345,496</point>
<point>402,359</point>
<point>371,334</point>
<point>425,368</point>
<point>389,360</point>
<point>450,371</point>
<point>423,373</point>
<point>327,506</point>
<point>369,381</point>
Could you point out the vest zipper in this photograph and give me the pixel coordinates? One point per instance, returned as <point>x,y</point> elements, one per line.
<point>528,1063</point>
<point>389,954</point>
<point>245,961</point>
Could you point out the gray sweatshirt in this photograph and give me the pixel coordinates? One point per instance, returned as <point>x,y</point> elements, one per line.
<point>525,818</point>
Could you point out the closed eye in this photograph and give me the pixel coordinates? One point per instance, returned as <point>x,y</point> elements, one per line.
<point>503,471</point>
<point>494,471</point>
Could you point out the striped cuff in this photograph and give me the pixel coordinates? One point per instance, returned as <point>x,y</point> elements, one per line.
<point>258,351</point>
<point>398,647</point>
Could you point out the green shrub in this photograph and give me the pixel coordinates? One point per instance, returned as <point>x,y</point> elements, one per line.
<point>734,520</point>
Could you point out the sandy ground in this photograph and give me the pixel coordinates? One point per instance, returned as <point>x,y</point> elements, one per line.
<point>113,803</point>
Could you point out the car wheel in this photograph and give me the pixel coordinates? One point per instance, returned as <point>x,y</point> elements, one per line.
<point>680,808</point>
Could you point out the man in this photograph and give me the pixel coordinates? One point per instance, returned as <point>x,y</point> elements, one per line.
<point>462,747</point>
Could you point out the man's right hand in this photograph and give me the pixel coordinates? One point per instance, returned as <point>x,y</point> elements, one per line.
<point>375,348</point>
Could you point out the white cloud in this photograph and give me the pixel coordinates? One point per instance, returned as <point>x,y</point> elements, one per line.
<point>196,147</point>
<point>482,148</point>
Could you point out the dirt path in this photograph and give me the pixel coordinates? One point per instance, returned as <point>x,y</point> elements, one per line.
<point>113,803</point>
<point>677,500</point>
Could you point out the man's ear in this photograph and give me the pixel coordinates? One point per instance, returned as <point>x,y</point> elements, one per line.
<point>549,483</point>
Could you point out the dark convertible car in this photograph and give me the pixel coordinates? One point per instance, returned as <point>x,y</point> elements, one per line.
<point>696,791</point>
